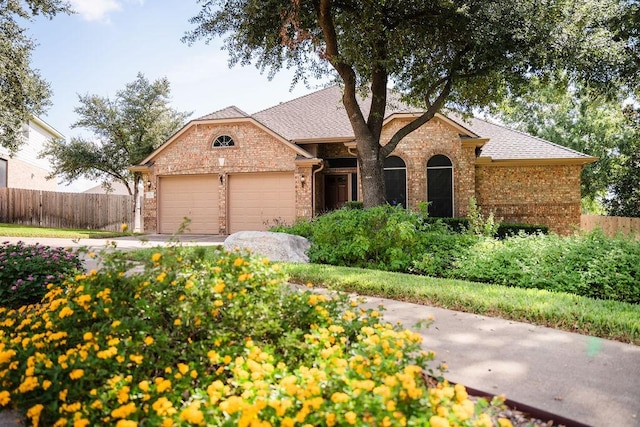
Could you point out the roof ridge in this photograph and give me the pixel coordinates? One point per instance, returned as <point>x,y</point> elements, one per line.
<point>546,141</point>
<point>230,107</point>
<point>315,92</point>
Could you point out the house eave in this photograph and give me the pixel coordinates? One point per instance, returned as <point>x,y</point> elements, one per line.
<point>490,162</point>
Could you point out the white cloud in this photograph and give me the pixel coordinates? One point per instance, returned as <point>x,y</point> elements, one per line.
<point>98,10</point>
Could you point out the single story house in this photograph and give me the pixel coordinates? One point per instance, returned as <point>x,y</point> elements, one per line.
<point>25,169</point>
<point>230,171</point>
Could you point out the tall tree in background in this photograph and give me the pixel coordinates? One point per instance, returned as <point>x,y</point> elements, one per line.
<point>573,116</point>
<point>125,131</point>
<point>624,199</point>
<point>23,92</point>
<point>461,53</point>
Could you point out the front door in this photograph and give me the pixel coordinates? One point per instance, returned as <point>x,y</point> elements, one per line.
<point>336,191</point>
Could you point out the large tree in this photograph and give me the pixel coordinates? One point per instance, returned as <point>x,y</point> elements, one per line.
<point>572,115</point>
<point>124,131</point>
<point>624,197</point>
<point>23,92</point>
<point>464,53</point>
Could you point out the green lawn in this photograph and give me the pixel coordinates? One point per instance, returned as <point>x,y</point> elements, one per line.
<point>606,319</point>
<point>17,230</point>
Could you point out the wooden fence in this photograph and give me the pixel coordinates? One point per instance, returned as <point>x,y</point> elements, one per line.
<point>611,225</point>
<point>66,210</point>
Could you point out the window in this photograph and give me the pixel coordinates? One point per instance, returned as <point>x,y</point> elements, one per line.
<point>440,186</point>
<point>3,173</point>
<point>223,141</point>
<point>395,181</point>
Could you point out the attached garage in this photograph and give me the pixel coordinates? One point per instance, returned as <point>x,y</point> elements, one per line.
<point>257,200</point>
<point>191,196</point>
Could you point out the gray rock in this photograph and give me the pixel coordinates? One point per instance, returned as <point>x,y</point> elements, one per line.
<point>275,246</point>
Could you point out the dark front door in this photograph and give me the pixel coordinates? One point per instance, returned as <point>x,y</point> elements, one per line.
<point>336,191</point>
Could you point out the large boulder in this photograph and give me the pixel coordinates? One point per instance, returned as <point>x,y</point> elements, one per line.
<point>275,246</point>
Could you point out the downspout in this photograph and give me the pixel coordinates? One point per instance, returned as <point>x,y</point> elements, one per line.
<point>313,189</point>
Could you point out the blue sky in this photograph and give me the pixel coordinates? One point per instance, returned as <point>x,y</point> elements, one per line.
<point>103,47</point>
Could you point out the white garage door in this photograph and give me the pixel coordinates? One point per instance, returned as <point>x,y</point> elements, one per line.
<point>256,201</point>
<point>194,197</point>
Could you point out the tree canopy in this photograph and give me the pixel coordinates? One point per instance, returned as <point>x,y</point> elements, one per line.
<point>23,92</point>
<point>125,130</point>
<point>457,53</point>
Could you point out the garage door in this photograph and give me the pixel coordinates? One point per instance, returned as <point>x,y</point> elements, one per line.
<point>194,197</point>
<point>256,201</point>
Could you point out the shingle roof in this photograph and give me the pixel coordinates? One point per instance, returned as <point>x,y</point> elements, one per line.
<point>509,144</point>
<point>321,115</point>
<point>231,112</point>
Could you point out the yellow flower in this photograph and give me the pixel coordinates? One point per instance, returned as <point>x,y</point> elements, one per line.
<point>65,312</point>
<point>5,397</point>
<point>28,384</point>
<point>339,397</point>
<point>144,385</point>
<point>76,374</point>
<point>437,421</point>
<point>238,262</point>
<point>160,277</point>
<point>219,286</point>
<point>350,417</point>
<point>163,407</point>
<point>232,405</point>
<point>149,340</point>
<point>503,422</point>
<point>156,257</point>
<point>193,414</point>
<point>88,336</point>
<point>81,422</point>
<point>136,358</point>
<point>163,385</point>
<point>34,414</point>
<point>124,227</point>
<point>177,322</point>
<point>124,411</point>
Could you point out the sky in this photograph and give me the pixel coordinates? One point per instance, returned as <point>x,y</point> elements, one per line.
<point>107,43</point>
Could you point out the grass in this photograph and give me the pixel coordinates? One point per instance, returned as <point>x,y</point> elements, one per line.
<point>18,230</point>
<point>605,319</point>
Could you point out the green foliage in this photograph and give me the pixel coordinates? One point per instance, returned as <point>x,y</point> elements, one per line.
<point>573,116</point>
<point>591,265</point>
<point>23,92</point>
<point>479,223</point>
<point>213,340</point>
<point>126,130</point>
<point>508,230</point>
<point>626,180</point>
<point>353,204</point>
<point>457,53</point>
<point>384,237</point>
<point>26,270</point>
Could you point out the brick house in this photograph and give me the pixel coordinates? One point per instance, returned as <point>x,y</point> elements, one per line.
<point>230,171</point>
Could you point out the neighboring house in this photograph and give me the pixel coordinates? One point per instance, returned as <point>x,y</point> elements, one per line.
<point>25,169</point>
<point>230,171</point>
<point>117,189</point>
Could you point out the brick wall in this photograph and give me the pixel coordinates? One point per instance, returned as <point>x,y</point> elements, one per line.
<point>435,137</point>
<point>548,195</point>
<point>255,150</point>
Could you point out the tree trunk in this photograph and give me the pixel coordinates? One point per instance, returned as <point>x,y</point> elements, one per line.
<point>371,170</point>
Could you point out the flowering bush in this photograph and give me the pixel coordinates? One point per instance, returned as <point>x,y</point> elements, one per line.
<point>25,271</point>
<point>222,341</point>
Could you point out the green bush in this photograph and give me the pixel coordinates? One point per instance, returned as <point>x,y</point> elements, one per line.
<point>384,237</point>
<point>509,230</point>
<point>217,341</point>
<point>26,270</point>
<point>591,265</point>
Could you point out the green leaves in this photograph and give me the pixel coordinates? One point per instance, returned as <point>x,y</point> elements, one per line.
<point>125,131</point>
<point>23,92</point>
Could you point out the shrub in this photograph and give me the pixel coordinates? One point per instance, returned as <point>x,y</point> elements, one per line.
<point>509,230</point>
<point>25,271</point>
<point>189,341</point>
<point>591,265</point>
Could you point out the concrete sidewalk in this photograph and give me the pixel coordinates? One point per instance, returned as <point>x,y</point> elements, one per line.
<point>589,380</point>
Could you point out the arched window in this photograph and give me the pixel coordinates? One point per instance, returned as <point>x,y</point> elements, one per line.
<point>395,181</point>
<point>223,141</point>
<point>440,186</point>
